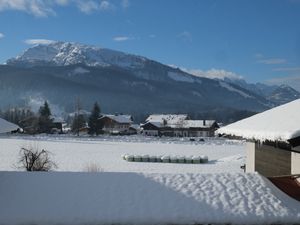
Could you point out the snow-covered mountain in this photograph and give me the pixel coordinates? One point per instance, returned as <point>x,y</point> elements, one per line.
<point>276,94</point>
<point>283,94</point>
<point>121,82</point>
<point>68,53</point>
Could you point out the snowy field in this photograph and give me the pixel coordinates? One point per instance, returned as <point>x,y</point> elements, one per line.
<point>144,199</point>
<point>75,154</point>
<point>134,192</point>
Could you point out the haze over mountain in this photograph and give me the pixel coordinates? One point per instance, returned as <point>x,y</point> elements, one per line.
<point>62,71</point>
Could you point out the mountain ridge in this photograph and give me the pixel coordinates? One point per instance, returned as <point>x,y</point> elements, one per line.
<point>121,82</point>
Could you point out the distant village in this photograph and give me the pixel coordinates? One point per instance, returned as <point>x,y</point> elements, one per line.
<point>83,122</point>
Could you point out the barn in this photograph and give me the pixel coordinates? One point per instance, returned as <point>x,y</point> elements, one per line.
<point>273,140</point>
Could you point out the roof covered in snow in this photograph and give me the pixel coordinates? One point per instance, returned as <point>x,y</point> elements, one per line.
<point>167,118</point>
<point>57,119</point>
<point>278,124</point>
<point>177,121</point>
<point>120,118</point>
<point>132,198</point>
<point>6,127</point>
<point>198,123</point>
<point>135,126</point>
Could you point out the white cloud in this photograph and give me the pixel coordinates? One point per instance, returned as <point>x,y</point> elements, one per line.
<point>37,8</point>
<point>152,36</point>
<point>287,69</point>
<point>62,2</point>
<point>45,8</point>
<point>259,56</point>
<point>125,3</point>
<point>121,38</point>
<point>92,5</point>
<point>212,73</point>
<point>1,35</point>
<point>106,5</point>
<point>272,61</point>
<point>38,41</point>
<point>87,6</point>
<point>185,35</point>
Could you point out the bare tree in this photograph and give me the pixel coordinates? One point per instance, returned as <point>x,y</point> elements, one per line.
<point>35,160</point>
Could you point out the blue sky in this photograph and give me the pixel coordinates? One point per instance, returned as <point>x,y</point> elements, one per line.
<point>258,40</point>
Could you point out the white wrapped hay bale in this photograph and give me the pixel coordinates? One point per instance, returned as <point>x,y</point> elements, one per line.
<point>165,159</point>
<point>188,159</point>
<point>180,159</point>
<point>158,158</point>
<point>196,159</point>
<point>138,158</point>
<point>145,158</point>
<point>173,159</point>
<point>203,159</point>
<point>152,158</point>
<point>129,158</point>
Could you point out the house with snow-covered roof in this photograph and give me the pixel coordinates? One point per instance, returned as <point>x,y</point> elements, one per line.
<point>196,128</point>
<point>57,123</point>
<point>178,125</point>
<point>160,124</point>
<point>7,127</point>
<point>116,124</point>
<point>273,140</point>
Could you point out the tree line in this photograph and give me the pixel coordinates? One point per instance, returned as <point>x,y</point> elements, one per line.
<point>44,122</point>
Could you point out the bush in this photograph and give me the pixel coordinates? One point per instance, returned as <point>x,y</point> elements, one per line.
<point>93,167</point>
<point>33,159</point>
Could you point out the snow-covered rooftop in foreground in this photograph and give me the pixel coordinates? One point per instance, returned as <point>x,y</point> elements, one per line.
<point>132,198</point>
<point>278,124</point>
<point>6,127</point>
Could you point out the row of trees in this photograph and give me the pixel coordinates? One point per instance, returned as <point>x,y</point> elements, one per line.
<point>93,123</point>
<point>43,121</point>
<point>15,115</point>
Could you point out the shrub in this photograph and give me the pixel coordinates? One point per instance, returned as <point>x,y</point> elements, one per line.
<point>93,167</point>
<point>33,159</point>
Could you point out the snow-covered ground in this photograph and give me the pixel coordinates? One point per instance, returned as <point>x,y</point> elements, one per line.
<point>75,154</point>
<point>137,193</point>
<point>132,198</point>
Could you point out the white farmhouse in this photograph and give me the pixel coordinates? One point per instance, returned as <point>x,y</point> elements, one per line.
<point>273,147</point>
<point>159,124</point>
<point>178,125</point>
<point>116,124</point>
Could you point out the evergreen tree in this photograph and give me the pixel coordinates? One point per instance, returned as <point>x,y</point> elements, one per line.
<point>94,124</point>
<point>45,121</point>
<point>45,110</point>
